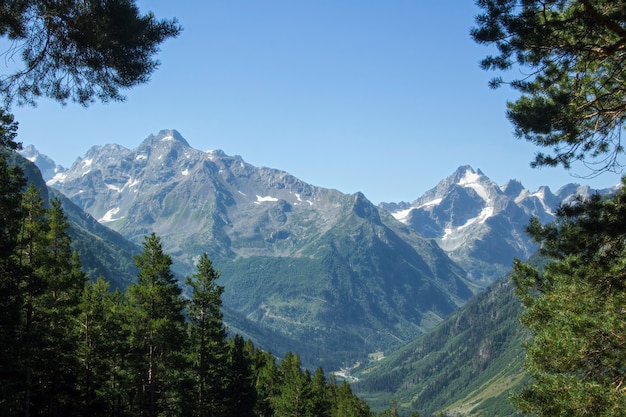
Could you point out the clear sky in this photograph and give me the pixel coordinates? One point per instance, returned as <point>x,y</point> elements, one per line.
<point>382,97</point>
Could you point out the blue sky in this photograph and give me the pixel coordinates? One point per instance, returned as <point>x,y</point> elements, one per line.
<point>382,97</point>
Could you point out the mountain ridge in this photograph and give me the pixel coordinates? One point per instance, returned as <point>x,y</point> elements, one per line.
<point>329,270</point>
<point>336,275</point>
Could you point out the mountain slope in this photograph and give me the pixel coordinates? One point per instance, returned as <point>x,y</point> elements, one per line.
<point>467,365</point>
<point>102,251</point>
<point>331,272</point>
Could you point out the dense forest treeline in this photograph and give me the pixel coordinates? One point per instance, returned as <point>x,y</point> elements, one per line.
<point>71,346</point>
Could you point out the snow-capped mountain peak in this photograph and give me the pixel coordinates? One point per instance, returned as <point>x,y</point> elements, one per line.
<point>478,223</point>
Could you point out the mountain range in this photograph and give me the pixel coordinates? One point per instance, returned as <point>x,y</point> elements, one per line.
<point>306,268</point>
<point>479,224</point>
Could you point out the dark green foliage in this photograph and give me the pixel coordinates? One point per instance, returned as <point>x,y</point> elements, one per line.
<point>575,311</point>
<point>346,404</point>
<point>294,396</point>
<point>11,299</point>
<point>157,333</point>
<point>43,282</point>
<point>208,351</point>
<point>79,51</point>
<point>571,57</point>
<point>8,132</point>
<point>573,90</point>
<point>241,394</point>
<point>103,351</point>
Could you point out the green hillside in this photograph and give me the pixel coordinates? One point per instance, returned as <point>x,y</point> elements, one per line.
<point>466,366</point>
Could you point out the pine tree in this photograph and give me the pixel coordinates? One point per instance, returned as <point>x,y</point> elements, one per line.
<point>571,57</point>
<point>240,390</point>
<point>59,306</point>
<point>267,383</point>
<point>77,50</point>
<point>346,404</point>
<point>575,310</point>
<point>49,279</point>
<point>103,351</point>
<point>32,335</point>
<point>157,333</point>
<point>208,350</point>
<point>294,398</point>
<point>320,405</point>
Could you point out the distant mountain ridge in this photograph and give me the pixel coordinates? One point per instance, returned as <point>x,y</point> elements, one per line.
<point>479,224</point>
<point>329,274</point>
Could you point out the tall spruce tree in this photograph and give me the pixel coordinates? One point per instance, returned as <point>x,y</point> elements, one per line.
<point>267,383</point>
<point>241,394</point>
<point>208,349</point>
<point>346,404</point>
<point>58,308</point>
<point>157,334</point>
<point>32,335</point>
<point>295,394</point>
<point>103,352</point>
<point>49,282</point>
<point>12,182</point>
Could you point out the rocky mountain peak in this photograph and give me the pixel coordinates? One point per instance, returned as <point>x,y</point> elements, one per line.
<point>49,169</point>
<point>365,209</point>
<point>512,188</point>
<point>166,135</point>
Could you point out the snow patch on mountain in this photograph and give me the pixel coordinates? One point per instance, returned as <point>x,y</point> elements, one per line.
<point>403,215</point>
<point>108,216</point>
<point>473,180</point>
<point>430,203</point>
<point>114,188</point>
<point>57,179</point>
<point>260,199</point>
<point>486,213</point>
